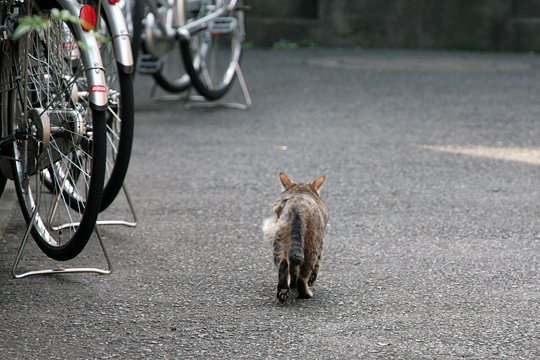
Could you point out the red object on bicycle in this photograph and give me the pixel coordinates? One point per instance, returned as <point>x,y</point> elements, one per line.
<point>88,17</point>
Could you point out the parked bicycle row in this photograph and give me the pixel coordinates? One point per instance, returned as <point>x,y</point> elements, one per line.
<point>67,102</point>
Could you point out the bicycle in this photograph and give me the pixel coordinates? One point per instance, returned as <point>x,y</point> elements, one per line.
<point>53,100</point>
<point>209,34</point>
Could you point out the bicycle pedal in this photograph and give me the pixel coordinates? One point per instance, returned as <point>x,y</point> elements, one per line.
<point>222,25</point>
<point>147,64</point>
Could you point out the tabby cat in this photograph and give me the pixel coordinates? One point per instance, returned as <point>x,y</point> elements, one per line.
<point>297,230</point>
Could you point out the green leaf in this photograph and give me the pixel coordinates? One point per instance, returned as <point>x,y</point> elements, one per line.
<point>21,30</point>
<point>29,23</point>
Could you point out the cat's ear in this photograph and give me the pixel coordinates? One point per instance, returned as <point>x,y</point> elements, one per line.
<point>285,181</point>
<point>317,184</point>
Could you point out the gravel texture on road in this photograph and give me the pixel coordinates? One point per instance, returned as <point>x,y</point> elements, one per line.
<point>432,249</point>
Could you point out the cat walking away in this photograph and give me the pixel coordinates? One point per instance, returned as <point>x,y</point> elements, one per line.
<point>297,230</point>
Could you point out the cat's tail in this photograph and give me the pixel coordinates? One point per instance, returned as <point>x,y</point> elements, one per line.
<point>296,254</point>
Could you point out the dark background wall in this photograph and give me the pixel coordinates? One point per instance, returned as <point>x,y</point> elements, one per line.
<point>441,24</point>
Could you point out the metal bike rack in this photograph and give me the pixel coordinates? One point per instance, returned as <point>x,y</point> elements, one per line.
<point>62,270</point>
<point>58,270</point>
<point>197,101</point>
<point>192,101</point>
<point>132,223</point>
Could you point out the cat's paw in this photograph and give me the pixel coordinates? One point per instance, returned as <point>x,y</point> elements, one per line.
<point>305,295</point>
<point>282,295</point>
<point>304,292</point>
<point>312,279</point>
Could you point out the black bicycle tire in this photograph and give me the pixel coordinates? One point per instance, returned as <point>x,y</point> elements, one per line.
<point>137,46</point>
<point>4,97</point>
<point>114,183</point>
<point>137,16</point>
<point>3,181</point>
<point>169,86</point>
<point>121,164</point>
<point>80,238</point>
<point>91,210</point>
<point>196,82</point>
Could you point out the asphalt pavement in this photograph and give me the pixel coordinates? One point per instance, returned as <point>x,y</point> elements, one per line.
<point>432,162</point>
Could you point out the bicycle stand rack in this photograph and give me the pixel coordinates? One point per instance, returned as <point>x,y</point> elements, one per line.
<point>62,270</point>
<point>199,102</point>
<point>132,223</point>
<point>59,270</point>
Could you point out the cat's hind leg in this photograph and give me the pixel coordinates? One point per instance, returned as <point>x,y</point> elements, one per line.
<point>312,278</point>
<point>314,272</point>
<point>304,292</point>
<point>293,272</point>
<point>283,281</point>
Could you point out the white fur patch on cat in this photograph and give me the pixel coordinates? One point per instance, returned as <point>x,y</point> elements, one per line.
<point>269,226</point>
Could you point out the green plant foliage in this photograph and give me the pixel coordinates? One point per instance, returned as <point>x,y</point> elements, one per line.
<point>29,23</point>
<point>248,45</point>
<point>37,22</point>
<point>285,44</point>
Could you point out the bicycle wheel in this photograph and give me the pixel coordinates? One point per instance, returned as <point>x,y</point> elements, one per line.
<point>119,118</point>
<point>210,54</point>
<point>160,52</point>
<point>66,140</point>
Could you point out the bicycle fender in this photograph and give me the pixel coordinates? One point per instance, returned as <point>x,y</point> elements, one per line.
<point>93,65</point>
<point>120,36</point>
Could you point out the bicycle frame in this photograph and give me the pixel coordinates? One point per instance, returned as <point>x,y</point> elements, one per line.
<point>97,86</point>
<point>120,36</point>
<point>188,29</point>
<point>177,25</point>
<point>177,9</point>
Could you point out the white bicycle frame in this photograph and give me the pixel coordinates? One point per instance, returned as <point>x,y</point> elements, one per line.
<point>120,36</point>
<point>93,65</point>
<point>172,16</point>
<point>188,29</point>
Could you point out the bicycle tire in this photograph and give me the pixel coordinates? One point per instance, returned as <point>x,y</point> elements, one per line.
<point>182,83</point>
<point>5,164</point>
<point>120,120</point>
<point>65,218</point>
<point>3,181</point>
<point>211,77</point>
<point>171,76</point>
<point>137,16</point>
<point>5,81</point>
<point>119,153</point>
